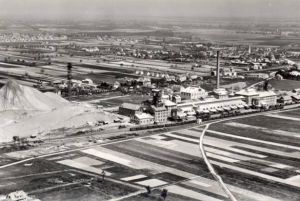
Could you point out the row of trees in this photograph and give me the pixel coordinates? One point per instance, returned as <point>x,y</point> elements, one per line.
<point>288,75</point>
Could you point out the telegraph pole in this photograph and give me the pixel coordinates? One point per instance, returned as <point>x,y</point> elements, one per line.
<point>218,69</point>
<point>69,66</point>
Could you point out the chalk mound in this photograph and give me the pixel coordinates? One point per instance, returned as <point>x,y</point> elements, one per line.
<point>14,96</point>
<point>25,111</point>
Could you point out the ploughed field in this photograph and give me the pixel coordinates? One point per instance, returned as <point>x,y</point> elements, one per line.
<point>258,158</point>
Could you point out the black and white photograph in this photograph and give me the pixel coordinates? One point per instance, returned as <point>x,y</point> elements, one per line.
<point>149,100</point>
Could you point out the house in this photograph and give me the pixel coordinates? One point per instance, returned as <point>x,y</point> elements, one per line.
<point>129,109</point>
<point>181,78</point>
<point>176,98</point>
<point>226,72</point>
<point>143,119</point>
<point>76,83</point>
<point>256,66</point>
<point>144,81</point>
<point>170,78</point>
<point>278,77</point>
<point>229,72</point>
<point>296,98</point>
<point>116,85</point>
<point>193,76</point>
<point>296,90</point>
<point>165,97</point>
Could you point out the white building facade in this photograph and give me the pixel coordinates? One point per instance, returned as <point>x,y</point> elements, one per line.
<point>193,93</point>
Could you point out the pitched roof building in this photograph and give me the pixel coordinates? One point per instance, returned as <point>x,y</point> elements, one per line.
<point>129,109</point>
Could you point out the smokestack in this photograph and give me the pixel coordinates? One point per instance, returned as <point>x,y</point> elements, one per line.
<point>69,79</point>
<point>218,69</point>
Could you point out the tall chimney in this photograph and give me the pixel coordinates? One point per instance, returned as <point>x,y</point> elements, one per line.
<point>69,79</point>
<point>218,69</point>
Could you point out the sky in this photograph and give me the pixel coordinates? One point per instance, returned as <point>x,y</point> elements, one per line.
<point>125,9</point>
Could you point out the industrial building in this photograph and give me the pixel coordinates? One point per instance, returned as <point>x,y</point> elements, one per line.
<point>129,109</point>
<point>170,106</point>
<point>214,105</point>
<point>193,93</point>
<point>258,98</point>
<point>143,119</point>
<point>158,108</point>
<point>160,114</point>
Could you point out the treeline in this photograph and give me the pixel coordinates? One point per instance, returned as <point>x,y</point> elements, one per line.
<point>288,75</point>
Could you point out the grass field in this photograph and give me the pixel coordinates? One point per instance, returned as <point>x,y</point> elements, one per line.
<point>257,157</point>
<point>48,180</point>
<point>135,99</point>
<point>271,122</point>
<point>40,182</point>
<point>36,167</point>
<point>286,85</point>
<point>76,192</point>
<point>5,160</point>
<point>294,113</point>
<point>93,191</point>
<point>254,130</point>
<point>253,167</point>
<point>109,77</point>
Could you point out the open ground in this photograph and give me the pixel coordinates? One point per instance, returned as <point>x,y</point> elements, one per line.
<point>258,160</point>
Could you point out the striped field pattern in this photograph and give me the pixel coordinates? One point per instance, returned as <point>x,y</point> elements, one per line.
<point>257,157</point>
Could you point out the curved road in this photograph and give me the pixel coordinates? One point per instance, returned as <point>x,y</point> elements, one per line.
<point>94,145</point>
<point>201,147</point>
<point>210,167</point>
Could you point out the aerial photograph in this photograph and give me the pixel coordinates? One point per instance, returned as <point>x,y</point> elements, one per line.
<point>150,100</point>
